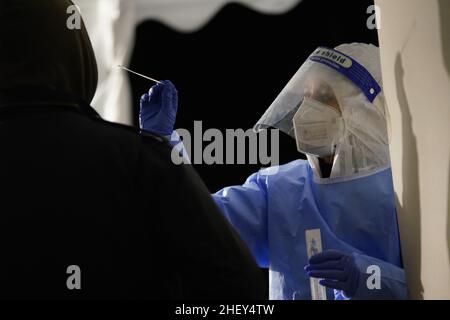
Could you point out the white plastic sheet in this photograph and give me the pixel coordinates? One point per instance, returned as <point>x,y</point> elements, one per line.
<point>111,25</point>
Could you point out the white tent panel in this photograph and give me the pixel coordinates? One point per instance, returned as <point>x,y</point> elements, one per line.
<point>111,25</point>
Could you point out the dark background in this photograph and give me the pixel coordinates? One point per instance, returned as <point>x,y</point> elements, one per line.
<point>230,71</point>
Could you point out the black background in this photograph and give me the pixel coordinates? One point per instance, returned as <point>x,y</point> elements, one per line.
<point>230,71</point>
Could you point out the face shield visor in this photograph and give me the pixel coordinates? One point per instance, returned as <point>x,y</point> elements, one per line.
<point>333,106</point>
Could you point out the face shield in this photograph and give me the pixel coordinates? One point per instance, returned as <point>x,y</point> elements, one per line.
<point>334,106</point>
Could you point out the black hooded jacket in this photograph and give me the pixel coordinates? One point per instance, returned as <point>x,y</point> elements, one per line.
<point>78,191</point>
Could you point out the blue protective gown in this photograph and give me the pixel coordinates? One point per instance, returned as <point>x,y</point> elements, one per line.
<point>271,212</point>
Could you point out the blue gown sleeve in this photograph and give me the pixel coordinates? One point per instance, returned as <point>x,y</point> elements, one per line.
<point>245,207</point>
<point>392,281</point>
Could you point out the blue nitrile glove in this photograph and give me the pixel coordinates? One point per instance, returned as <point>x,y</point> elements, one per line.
<point>159,109</point>
<point>337,270</point>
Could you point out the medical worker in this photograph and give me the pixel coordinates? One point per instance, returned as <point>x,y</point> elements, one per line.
<point>331,217</point>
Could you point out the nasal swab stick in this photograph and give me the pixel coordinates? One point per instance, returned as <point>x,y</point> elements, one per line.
<point>141,75</point>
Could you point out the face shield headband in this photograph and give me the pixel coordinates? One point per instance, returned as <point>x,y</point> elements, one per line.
<point>348,67</point>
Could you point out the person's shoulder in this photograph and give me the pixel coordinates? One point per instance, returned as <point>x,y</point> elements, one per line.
<point>292,168</point>
<point>143,147</point>
<point>129,133</point>
<point>282,176</point>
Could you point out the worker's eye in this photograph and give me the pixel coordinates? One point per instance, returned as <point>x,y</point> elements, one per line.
<point>328,99</point>
<point>308,94</point>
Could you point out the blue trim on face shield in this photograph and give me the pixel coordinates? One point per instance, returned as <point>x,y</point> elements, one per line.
<point>348,67</point>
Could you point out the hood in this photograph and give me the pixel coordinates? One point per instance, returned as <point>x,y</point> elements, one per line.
<point>39,51</point>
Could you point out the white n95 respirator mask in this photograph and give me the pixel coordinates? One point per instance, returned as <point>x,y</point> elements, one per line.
<point>318,128</point>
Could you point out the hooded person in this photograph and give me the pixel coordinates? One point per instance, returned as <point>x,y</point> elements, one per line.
<point>331,217</point>
<point>77,221</point>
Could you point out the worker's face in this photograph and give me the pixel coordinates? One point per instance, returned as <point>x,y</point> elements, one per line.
<point>321,91</point>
